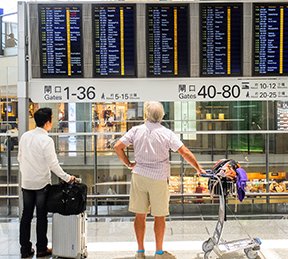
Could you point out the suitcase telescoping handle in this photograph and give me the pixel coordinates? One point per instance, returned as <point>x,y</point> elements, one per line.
<point>78,180</point>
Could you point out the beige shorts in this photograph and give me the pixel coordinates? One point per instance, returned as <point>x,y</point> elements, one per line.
<point>147,195</point>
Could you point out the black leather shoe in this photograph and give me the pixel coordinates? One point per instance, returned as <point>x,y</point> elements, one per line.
<point>27,255</point>
<point>44,253</point>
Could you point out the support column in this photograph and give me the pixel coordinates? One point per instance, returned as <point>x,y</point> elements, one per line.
<point>22,84</point>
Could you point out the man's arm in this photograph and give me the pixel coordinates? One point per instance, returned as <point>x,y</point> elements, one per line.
<point>119,148</point>
<point>190,158</point>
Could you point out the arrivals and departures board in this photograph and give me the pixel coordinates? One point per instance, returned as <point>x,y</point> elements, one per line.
<point>221,39</point>
<point>167,41</point>
<point>270,39</point>
<point>60,40</point>
<point>114,41</point>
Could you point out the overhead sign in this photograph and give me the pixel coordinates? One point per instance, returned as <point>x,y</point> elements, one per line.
<point>139,90</point>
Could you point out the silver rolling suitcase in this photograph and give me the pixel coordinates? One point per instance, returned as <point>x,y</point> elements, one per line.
<point>69,236</point>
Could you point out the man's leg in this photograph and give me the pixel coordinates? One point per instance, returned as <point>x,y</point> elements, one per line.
<point>159,230</point>
<point>140,228</point>
<point>25,223</point>
<point>42,221</point>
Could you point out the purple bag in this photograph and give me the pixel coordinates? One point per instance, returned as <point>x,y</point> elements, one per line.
<point>241,183</point>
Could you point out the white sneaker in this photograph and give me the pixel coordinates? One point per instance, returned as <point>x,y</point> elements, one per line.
<point>166,255</point>
<point>139,256</point>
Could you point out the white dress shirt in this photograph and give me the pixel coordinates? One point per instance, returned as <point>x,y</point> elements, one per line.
<point>151,143</point>
<point>37,158</point>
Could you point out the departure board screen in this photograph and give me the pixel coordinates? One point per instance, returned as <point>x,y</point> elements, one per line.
<point>114,41</point>
<point>167,41</point>
<point>221,39</point>
<point>60,40</point>
<point>270,39</point>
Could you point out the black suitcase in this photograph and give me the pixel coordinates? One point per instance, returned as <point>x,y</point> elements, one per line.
<point>67,199</point>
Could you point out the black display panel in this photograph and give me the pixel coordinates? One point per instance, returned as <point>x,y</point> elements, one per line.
<point>221,39</point>
<point>60,40</point>
<point>270,40</point>
<point>167,41</point>
<point>114,30</point>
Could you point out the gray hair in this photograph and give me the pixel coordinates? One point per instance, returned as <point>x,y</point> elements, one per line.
<point>153,111</point>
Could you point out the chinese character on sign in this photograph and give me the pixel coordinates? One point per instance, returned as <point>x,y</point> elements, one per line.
<point>57,89</point>
<point>191,88</point>
<point>47,89</point>
<point>182,88</point>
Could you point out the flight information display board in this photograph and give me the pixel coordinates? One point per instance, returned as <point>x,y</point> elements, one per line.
<point>114,41</point>
<point>221,39</point>
<point>167,41</point>
<point>60,40</point>
<point>270,39</point>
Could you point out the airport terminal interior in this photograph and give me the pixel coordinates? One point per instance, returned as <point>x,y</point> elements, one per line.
<point>218,67</point>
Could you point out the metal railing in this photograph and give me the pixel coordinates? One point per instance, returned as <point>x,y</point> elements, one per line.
<point>92,163</point>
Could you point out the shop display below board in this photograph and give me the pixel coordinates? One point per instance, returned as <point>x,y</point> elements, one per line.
<point>190,184</point>
<point>277,184</point>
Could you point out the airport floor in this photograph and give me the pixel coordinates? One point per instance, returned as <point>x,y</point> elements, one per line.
<point>113,238</point>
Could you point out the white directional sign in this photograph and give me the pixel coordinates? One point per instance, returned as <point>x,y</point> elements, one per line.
<point>168,89</point>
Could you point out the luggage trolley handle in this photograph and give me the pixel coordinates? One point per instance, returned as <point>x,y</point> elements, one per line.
<point>208,174</point>
<point>212,176</point>
<point>222,196</point>
<point>76,180</point>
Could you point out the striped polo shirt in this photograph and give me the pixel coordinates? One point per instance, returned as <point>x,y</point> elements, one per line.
<point>151,143</point>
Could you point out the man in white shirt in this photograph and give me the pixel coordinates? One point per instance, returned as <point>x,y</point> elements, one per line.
<point>37,158</point>
<point>149,184</point>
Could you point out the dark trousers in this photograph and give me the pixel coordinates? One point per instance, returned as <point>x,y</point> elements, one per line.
<point>32,199</point>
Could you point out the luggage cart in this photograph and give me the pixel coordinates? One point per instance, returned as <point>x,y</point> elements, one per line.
<point>222,187</point>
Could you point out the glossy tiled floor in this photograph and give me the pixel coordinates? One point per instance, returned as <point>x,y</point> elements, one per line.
<point>114,239</point>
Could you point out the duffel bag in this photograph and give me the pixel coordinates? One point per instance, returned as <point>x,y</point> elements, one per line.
<point>67,199</point>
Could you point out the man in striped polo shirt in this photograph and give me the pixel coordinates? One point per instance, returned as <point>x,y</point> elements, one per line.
<point>149,184</point>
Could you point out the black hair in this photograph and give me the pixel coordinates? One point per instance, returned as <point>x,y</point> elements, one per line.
<point>42,115</point>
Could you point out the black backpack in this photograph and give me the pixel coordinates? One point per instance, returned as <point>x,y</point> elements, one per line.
<point>67,199</point>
